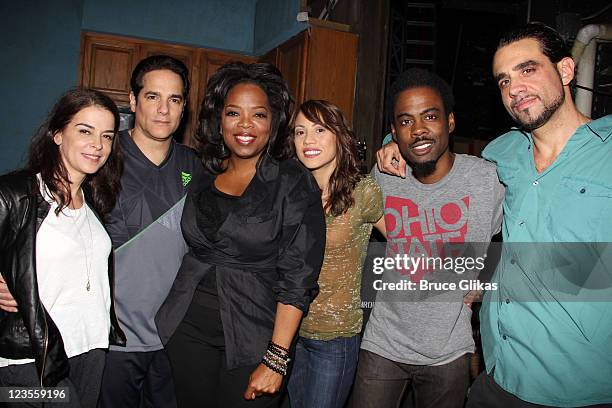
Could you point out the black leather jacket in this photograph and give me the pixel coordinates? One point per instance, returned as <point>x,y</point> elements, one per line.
<point>31,333</point>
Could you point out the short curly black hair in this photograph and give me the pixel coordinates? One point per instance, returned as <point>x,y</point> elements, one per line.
<point>419,78</point>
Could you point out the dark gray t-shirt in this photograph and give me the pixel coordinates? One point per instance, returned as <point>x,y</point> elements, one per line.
<point>463,207</point>
<point>145,227</point>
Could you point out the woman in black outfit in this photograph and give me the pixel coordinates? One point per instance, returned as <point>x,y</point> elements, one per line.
<point>256,232</point>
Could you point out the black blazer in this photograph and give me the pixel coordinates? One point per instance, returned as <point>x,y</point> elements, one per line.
<point>31,333</point>
<point>269,250</point>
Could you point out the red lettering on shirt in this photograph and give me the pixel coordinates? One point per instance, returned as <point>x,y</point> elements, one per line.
<point>421,231</point>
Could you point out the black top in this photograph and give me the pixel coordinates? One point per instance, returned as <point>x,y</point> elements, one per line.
<point>149,190</point>
<point>206,293</point>
<point>268,249</point>
<point>145,229</point>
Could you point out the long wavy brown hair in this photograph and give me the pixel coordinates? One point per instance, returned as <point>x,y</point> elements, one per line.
<point>346,175</point>
<point>100,189</point>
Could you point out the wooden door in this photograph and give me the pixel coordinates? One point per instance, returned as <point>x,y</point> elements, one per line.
<point>292,60</point>
<point>331,67</point>
<point>107,64</point>
<point>270,57</point>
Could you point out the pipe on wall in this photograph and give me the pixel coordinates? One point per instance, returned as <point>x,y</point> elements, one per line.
<point>584,52</point>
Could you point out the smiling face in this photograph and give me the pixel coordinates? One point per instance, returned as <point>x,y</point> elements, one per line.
<point>86,141</point>
<point>245,121</point>
<point>315,145</point>
<point>421,129</point>
<point>159,105</point>
<point>531,86</point>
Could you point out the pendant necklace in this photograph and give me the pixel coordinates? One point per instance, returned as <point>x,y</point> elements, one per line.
<point>84,244</point>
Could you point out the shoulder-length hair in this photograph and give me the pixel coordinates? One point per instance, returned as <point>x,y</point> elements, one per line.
<point>208,139</point>
<point>345,177</point>
<point>101,189</point>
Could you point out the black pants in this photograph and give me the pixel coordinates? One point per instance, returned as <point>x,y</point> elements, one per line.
<point>201,376</point>
<point>137,380</point>
<point>486,393</point>
<point>382,383</point>
<point>83,382</point>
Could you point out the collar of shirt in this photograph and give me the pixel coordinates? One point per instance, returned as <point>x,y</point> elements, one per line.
<point>567,201</point>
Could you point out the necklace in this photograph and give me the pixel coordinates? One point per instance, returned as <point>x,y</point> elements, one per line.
<point>88,260</point>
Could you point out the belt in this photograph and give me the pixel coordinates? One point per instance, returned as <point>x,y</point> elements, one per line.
<point>217,258</point>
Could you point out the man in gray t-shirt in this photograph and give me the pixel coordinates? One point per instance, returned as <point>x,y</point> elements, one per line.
<point>421,338</point>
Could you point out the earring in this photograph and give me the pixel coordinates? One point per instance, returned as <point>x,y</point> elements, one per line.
<point>268,149</point>
<point>222,148</point>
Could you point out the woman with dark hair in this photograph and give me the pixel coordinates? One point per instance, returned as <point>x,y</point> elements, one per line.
<point>55,255</point>
<point>256,234</point>
<point>328,344</point>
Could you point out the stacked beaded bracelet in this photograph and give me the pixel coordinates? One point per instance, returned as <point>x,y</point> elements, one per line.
<point>276,358</point>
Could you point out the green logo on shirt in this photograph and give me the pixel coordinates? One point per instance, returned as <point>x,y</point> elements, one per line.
<point>186,178</point>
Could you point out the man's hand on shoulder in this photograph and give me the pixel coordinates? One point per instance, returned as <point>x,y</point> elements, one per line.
<point>389,160</point>
<point>7,302</point>
<point>472,296</point>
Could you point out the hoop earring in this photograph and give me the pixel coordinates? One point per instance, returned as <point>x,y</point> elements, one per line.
<point>222,147</point>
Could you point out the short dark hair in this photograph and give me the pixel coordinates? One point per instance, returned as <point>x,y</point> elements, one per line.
<point>45,158</point>
<point>419,78</point>
<point>155,63</point>
<point>209,141</point>
<point>551,42</point>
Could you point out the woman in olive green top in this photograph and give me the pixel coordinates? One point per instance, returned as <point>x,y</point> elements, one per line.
<point>328,345</point>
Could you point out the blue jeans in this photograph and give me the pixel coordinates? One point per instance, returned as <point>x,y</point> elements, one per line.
<point>323,372</point>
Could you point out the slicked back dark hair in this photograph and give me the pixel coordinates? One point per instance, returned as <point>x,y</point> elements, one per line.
<point>420,78</point>
<point>101,188</point>
<point>208,138</point>
<point>551,42</point>
<point>155,63</point>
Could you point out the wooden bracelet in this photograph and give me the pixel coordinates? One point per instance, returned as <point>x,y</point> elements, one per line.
<point>272,344</point>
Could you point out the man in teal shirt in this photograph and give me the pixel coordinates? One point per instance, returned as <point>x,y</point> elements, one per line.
<point>547,331</point>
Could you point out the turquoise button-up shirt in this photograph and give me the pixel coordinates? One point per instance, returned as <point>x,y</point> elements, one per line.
<point>547,330</point>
